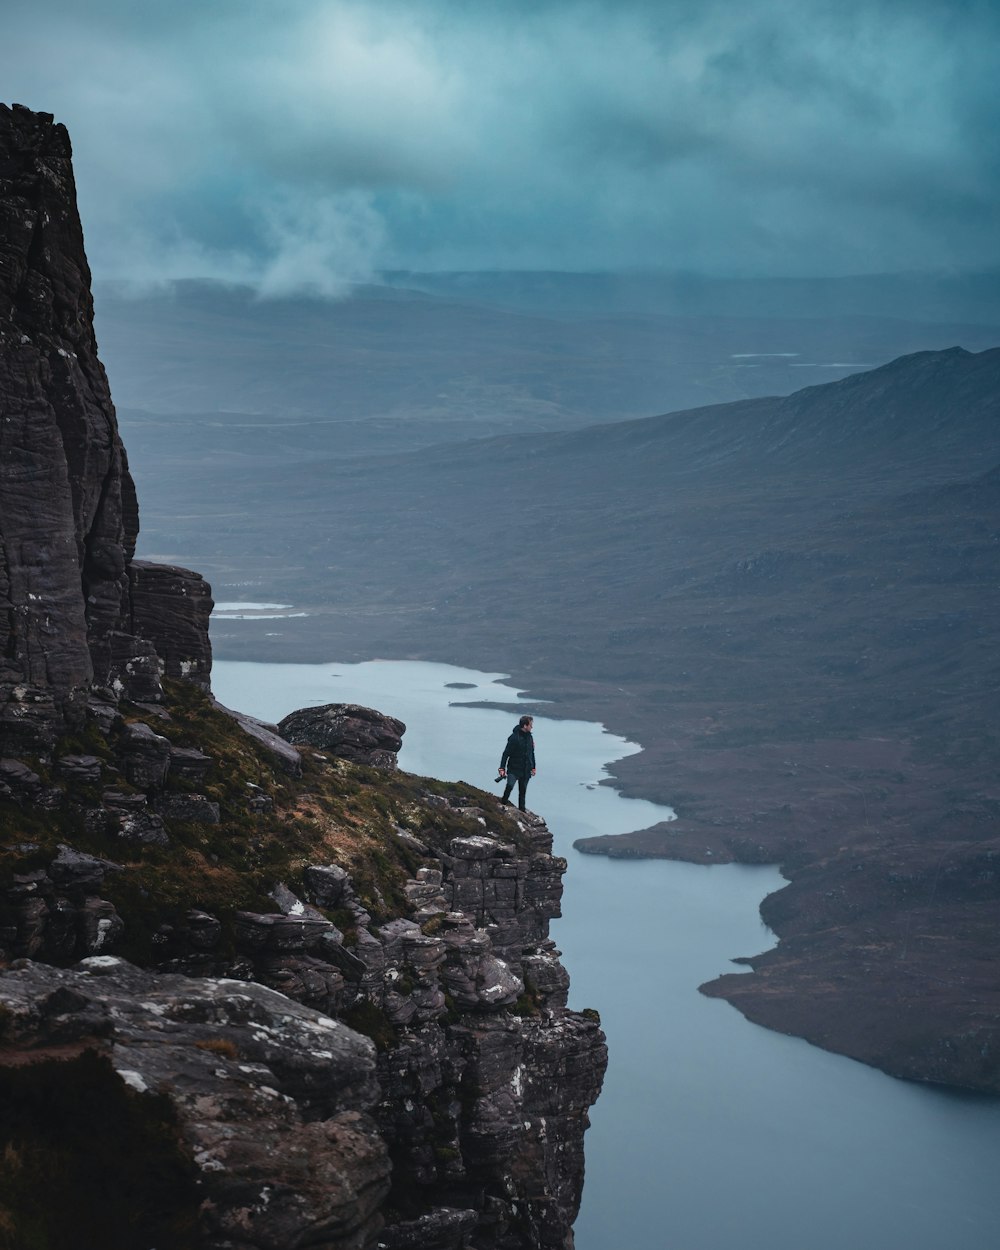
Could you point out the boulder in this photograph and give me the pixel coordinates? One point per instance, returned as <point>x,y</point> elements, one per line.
<point>74,871</point>
<point>267,1097</point>
<point>329,885</point>
<point>145,756</point>
<point>144,827</point>
<point>19,780</point>
<point>81,768</point>
<point>189,763</point>
<point>359,734</point>
<point>189,808</point>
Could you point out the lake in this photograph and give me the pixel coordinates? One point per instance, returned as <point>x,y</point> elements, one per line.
<point>712,1133</point>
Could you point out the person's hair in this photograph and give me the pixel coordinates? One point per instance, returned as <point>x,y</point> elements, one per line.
<point>525,720</point>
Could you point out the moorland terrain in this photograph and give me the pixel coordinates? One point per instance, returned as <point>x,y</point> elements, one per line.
<point>790,602</point>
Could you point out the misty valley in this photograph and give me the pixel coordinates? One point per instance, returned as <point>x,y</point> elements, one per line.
<point>789,602</point>
<point>280,965</point>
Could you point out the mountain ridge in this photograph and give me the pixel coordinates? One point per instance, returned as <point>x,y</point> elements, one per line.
<point>957,370</point>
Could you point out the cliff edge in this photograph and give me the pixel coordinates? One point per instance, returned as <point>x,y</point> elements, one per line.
<point>287,994</point>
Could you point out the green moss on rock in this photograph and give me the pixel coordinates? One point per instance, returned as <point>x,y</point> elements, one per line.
<point>334,813</point>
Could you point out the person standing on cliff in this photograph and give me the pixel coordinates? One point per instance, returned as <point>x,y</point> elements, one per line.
<point>518,760</point>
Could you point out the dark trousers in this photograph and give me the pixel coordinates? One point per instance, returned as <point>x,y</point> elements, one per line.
<point>522,785</point>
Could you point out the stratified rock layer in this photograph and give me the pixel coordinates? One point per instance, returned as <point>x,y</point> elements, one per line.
<point>69,516</point>
<point>484,1076</point>
<point>71,616</point>
<point>171,607</point>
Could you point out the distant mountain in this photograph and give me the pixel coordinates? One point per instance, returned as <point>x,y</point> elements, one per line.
<point>393,369</point>
<point>935,409</point>
<point>927,297</point>
<point>767,527</point>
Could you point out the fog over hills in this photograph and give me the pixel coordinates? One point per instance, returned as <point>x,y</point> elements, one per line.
<point>969,297</point>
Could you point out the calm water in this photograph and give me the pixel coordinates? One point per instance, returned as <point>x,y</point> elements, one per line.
<point>712,1133</point>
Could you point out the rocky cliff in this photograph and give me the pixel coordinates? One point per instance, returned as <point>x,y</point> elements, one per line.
<point>288,994</point>
<point>410,912</point>
<point>72,599</point>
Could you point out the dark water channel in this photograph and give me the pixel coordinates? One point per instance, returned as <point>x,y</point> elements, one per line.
<point>712,1133</point>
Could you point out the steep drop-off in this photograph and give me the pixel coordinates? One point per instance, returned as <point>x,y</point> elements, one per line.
<point>290,996</point>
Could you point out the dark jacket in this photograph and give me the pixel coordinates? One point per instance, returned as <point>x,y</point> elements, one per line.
<point>519,754</point>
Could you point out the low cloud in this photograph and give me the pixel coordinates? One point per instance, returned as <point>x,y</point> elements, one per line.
<point>302,144</point>
<point>319,245</point>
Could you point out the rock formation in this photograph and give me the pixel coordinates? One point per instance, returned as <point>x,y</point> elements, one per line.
<point>483,1076</point>
<point>268,1098</point>
<point>170,606</point>
<point>303,1003</point>
<point>354,733</point>
<point>71,600</point>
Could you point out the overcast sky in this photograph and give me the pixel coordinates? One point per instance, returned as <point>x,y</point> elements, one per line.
<point>305,143</point>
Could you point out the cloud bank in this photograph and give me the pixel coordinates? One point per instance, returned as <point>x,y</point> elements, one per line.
<point>305,144</point>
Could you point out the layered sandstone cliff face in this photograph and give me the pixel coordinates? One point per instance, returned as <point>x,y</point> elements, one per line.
<point>303,998</point>
<point>70,609</point>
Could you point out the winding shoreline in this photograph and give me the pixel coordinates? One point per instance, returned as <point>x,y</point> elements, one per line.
<point>841,928</point>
